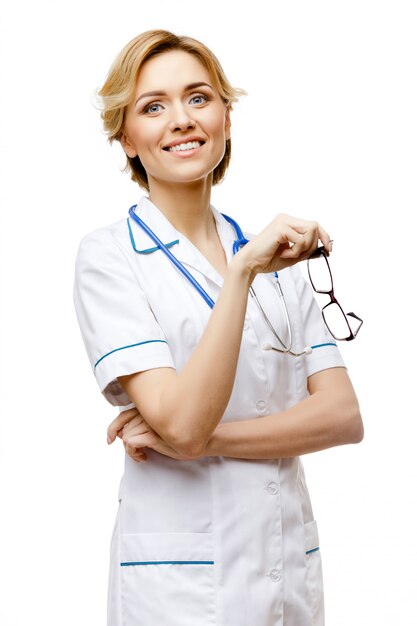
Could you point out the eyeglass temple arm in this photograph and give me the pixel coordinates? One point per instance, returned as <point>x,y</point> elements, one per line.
<point>356,317</point>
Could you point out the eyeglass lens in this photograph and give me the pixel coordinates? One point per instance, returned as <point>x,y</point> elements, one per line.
<point>319,273</point>
<point>336,320</point>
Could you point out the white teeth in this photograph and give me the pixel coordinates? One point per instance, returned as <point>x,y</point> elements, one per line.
<point>185,146</point>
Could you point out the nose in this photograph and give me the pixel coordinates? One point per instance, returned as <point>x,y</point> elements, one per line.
<point>180,118</point>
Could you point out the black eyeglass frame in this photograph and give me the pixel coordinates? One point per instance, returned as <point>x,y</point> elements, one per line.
<point>321,251</point>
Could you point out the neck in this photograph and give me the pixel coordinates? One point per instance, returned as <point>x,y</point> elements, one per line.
<point>187,207</point>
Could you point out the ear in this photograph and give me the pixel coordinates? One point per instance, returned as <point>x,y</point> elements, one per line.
<point>227,124</point>
<point>127,146</point>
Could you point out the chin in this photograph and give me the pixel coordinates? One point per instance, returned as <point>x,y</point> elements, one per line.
<point>187,177</point>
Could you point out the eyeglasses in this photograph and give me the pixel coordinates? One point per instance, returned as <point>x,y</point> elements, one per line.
<point>334,317</point>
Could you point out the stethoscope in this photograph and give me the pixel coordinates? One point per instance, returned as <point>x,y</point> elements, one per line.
<point>237,244</point>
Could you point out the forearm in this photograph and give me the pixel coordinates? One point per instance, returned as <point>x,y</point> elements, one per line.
<point>203,388</point>
<point>321,421</point>
<point>184,408</point>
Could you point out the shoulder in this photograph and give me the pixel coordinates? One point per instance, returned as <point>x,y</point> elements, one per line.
<point>103,257</point>
<point>109,240</point>
<point>110,233</point>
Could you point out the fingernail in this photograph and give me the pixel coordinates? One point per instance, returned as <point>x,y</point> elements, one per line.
<point>108,439</point>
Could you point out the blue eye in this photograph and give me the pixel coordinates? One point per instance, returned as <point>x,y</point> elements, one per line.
<point>200,97</point>
<point>151,108</point>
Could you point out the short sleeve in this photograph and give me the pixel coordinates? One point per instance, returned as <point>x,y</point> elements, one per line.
<point>119,329</point>
<point>325,353</point>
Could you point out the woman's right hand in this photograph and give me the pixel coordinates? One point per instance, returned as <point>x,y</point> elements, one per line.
<point>284,242</point>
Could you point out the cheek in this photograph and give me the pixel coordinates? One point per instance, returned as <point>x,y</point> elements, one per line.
<point>219,136</point>
<point>217,125</point>
<point>142,138</point>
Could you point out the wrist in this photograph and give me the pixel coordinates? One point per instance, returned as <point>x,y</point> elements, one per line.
<point>240,271</point>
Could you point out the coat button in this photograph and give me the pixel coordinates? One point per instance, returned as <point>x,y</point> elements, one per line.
<point>275,575</point>
<point>246,325</point>
<point>261,406</point>
<point>272,488</point>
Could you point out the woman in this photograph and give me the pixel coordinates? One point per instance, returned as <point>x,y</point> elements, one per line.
<point>216,527</point>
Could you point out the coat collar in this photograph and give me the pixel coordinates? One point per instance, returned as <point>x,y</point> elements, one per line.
<point>179,245</point>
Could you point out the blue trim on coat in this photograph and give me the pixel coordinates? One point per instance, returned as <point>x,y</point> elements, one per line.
<point>133,345</point>
<point>322,345</point>
<point>147,250</point>
<point>126,564</point>
<point>313,550</point>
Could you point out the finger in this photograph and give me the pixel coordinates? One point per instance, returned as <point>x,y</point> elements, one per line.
<point>136,419</point>
<point>128,432</point>
<point>325,239</point>
<point>301,247</point>
<point>144,440</point>
<point>292,253</point>
<point>312,230</point>
<point>130,413</point>
<point>311,238</point>
<point>136,425</point>
<point>134,430</point>
<point>118,423</point>
<point>291,236</point>
<point>306,246</point>
<point>137,454</point>
<point>298,224</point>
<point>133,450</point>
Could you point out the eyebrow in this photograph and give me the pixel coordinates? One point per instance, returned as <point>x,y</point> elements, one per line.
<point>163,93</point>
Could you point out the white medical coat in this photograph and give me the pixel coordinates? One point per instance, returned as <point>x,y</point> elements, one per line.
<point>215,541</point>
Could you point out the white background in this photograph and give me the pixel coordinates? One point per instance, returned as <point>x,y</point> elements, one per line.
<point>328,131</point>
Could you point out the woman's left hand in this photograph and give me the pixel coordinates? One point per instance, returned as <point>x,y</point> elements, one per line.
<point>137,435</point>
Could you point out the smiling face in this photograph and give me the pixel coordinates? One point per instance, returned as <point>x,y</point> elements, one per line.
<point>177,123</point>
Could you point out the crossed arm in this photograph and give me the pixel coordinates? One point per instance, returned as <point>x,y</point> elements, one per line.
<point>174,421</point>
<point>328,417</point>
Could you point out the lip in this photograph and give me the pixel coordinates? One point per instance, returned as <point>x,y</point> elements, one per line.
<point>177,142</point>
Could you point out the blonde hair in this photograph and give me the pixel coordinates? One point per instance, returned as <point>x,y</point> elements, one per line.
<point>119,89</point>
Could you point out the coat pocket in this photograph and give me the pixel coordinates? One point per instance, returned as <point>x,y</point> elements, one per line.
<point>167,578</point>
<point>314,575</point>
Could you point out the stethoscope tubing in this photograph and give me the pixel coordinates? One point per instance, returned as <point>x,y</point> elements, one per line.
<point>237,244</point>
<point>203,293</point>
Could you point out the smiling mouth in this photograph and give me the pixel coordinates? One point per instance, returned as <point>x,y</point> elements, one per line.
<point>189,145</point>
